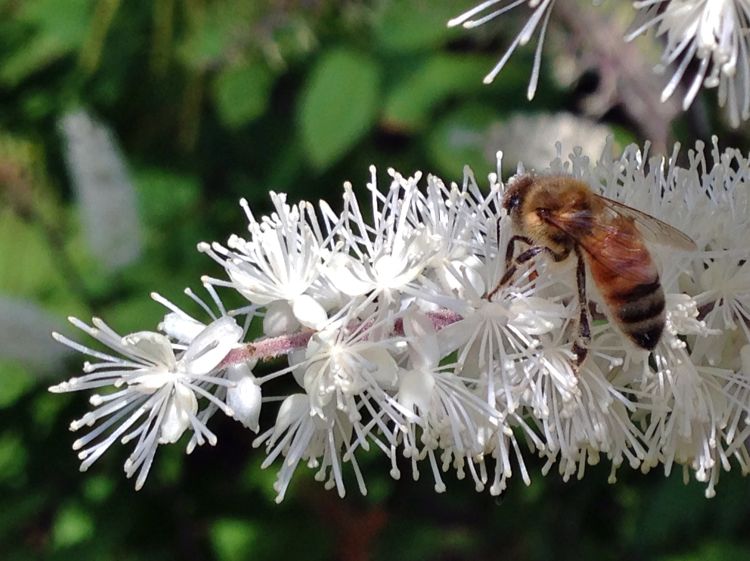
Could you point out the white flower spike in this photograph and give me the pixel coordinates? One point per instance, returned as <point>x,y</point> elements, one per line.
<point>394,335</point>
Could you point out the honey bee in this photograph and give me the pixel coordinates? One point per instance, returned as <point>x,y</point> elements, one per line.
<point>560,215</point>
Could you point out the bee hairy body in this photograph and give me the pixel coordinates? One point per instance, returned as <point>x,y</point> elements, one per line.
<point>562,215</point>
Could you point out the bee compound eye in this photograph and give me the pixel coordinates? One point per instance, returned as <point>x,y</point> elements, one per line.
<point>514,202</point>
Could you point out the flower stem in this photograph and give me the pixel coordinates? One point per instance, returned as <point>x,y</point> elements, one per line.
<point>274,347</point>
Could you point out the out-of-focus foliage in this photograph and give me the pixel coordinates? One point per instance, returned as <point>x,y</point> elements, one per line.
<point>211,101</point>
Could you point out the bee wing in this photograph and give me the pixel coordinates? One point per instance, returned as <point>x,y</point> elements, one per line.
<point>609,238</point>
<point>652,229</point>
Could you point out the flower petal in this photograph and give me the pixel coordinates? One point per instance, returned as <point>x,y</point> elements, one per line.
<point>309,312</point>
<point>279,319</point>
<point>151,346</point>
<point>245,396</point>
<point>182,406</point>
<point>211,345</point>
<point>415,389</point>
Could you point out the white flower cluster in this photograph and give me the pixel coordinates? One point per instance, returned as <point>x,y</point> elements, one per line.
<point>715,35</point>
<point>381,317</point>
<point>712,34</point>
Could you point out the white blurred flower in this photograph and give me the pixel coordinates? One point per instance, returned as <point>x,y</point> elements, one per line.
<point>540,13</point>
<point>24,334</point>
<point>104,189</point>
<point>525,137</point>
<point>713,33</point>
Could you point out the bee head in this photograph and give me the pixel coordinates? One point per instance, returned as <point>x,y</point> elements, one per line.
<point>515,194</point>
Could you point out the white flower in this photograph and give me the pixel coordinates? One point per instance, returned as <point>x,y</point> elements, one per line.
<point>698,413</point>
<point>525,137</point>
<point>241,392</point>
<point>279,266</point>
<point>24,334</point>
<point>697,419</point>
<point>493,334</point>
<point>715,34</point>
<point>457,222</point>
<point>447,414</point>
<point>302,434</point>
<point>154,395</point>
<point>107,197</point>
<point>384,256</point>
<point>583,415</point>
<point>341,368</point>
<point>541,10</point>
<point>726,283</point>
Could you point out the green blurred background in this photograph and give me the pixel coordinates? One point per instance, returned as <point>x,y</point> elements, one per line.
<point>213,101</point>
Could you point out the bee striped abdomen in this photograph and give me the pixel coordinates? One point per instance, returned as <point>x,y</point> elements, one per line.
<point>639,312</point>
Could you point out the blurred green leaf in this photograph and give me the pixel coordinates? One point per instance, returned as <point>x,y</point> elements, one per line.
<point>338,105</point>
<point>623,137</point>
<point>13,456</point>
<point>205,44</point>
<point>459,140</point>
<point>46,408</point>
<point>23,242</point>
<point>135,314</point>
<point>667,511</point>
<point>39,104</point>
<point>98,488</point>
<point>164,195</point>
<point>15,381</point>
<point>716,551</point>
<point>60,28</point>
<point>410,103</point>
<point>405,25</point>
<point>234,539</point>
<point>218,30</point>
<point>171,462</point>
<point>241,93</point>
<point>73,525</point>
<point>39,52</point>
<point>101,22</point>
<point>31,220</point>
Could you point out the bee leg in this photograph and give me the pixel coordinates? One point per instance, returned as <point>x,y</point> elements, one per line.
<point>581,345</point>
<point>510,267</point>
<point>511,248</point>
